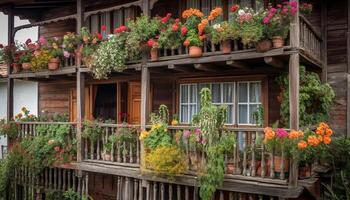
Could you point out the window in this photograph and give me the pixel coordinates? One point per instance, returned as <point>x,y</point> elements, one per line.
<point>223,93</point>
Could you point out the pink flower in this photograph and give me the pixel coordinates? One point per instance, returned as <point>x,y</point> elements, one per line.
<point>281,133</point>
<point>204,140</point>
<point>293,11</point>
<point>183,31</point>
<point>266,20</point>
<point>273,10</point>
<point>187,133</point>
<point>177,20</point>
<point>103,27</point>
<point>294,4</point>
<point>42,40</point>
<point>99,36</point>
<point>175,27</point>
<point>197,131</point>
<point>66,54</point>
<point>279,6</point>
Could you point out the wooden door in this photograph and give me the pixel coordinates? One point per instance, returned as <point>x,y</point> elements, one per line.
<point>73,104</point>
<point>134,102</point>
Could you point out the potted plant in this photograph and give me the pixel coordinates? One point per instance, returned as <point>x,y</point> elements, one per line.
<point>40,60</point>
<point>107,148</point>
<point>195,25</point>
<point>250,26</point>
<point>55,60</point>
<point>153,44</point>
<point>92,132</point>
<point>223,33</point>
<point>172,33</point>
<point>89,46</point>
<point>277,21</point>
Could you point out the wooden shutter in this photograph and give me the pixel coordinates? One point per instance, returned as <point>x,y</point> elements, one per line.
<point>88,104</point>
<point>134,105</point>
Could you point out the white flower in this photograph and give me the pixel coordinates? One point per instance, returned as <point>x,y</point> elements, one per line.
<point>241,12</point>
<point>217,26</point>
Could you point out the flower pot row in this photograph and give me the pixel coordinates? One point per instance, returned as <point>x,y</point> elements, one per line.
<point>53,64</point>
<point>261,46</point>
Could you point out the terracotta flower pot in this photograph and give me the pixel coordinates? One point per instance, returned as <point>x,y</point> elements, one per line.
<point>54,64</point>
<point>195,52</point>
<point>278,164</point>
<point>26,66</point>
<point>226,46</point>
<point>154,54</point>
<point>230,168</point>
<point>16,67</point>
<point>106,157</point>
<point>263,46</point>
<point>277,41</point>
<point>195,159</point>
<point>305,172</point>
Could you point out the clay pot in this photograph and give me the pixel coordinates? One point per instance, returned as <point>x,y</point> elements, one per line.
<point>16,67</point>
<point>54,64</point>
<point>226,46</point>
<point>106,157</point>
<point>195,52</point>
<point>230,168</point>
<point>305,172</point>
<point>195,159</point>
<point>154,54</point>
<point>278,164</point>
<point>26,66</point>
<point>277,41</point>
<point>263,46</point>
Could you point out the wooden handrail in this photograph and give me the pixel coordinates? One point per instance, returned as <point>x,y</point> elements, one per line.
<point>47,123</point>
<point>312,28</point>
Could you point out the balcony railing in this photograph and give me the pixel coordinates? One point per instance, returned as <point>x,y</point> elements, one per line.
<point>125,150</point>
<point>30,129</point>
<point>310,39</point>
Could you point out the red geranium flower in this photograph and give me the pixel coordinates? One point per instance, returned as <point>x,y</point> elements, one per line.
<point>183,30</point>
<point>1,46</point>
<point>99,36</point>
<point>175,27</point>
<point>103,27</point>
<point>150,42</point>
<point>234,8</point>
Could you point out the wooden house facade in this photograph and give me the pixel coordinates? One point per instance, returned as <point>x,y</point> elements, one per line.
<point>243,80</point>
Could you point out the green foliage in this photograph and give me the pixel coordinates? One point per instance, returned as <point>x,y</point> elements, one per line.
<point>56,53</point>
<point>315,98</point>
<point>167,160</point>
<point>91,130</point>
<point>210,120</point>
<point>251,32</point>
<point>26,58</point>
<point>110,56</point>
<point>193,38</point>
<point>222,31</point>
<point>338,155</point>
<point>9,129</point>
<point>70,194</point>
<point>170,39</point>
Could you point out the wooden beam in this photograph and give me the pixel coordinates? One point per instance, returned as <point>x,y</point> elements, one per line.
<point>10,82</point>
<point>324,45</point>
<point>206,67</point>
<point>80,112</point>
<point>80,15</point>
<point>273,61</point>
<point>146,7</point>
<point>348,76</point>
<point>237,64</point>
<point>294,88</point>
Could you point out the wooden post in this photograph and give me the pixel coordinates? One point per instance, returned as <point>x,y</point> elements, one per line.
<point>10,41</point>
<point>324,40</point>
<point>348,76</point>
<point>80,87</point>
<point>146,8</point>
<point>294,88</point>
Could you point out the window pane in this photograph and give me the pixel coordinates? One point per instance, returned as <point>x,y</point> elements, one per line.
<point>192,112</point>
<point>216,93</point>
<point>229,114</point>
<point>184,114</point>
<point>252,109</point>
<point>206,7</point>
<point>184,93</point>
<point>255,92</point>
<point>243,92</point>
<point>193,93</point>
<point>243,114</point>
<point>228,89</point>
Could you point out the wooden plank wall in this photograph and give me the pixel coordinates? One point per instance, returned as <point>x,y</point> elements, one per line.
<point>337,62</point>
<point>54,97</point>
<point>57,29</point>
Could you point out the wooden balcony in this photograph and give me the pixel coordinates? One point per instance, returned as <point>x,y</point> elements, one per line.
<point>250,168</point>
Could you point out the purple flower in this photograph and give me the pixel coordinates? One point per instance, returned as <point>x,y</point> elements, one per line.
<point>66,54</point>
<point>197,131</point>
<point>187,133</point>
<point>281,133</point>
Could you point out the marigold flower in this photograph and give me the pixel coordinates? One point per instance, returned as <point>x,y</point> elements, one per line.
<point>323,125</point>
<point>320,138</point>
<point>143,135</point>
<point>329,132</point>
<point>174,122</point>
<point>302,145</point>
<point>215,13</point>
<point>202,25</point>
<point>319,131</point>
<point>313,141</point>
<point>190,12</point>
<point>269,133</point>
<point>327,140</point>
<point>293,134</point>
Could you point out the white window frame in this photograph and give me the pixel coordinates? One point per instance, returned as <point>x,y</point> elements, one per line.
<point>188,104</point>
<point>248,103</point>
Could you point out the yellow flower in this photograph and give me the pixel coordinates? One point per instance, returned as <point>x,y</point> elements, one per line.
<point>174,122</point>
<point>143,135</point>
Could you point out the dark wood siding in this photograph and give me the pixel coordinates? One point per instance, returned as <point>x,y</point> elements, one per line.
<point>57,29</point>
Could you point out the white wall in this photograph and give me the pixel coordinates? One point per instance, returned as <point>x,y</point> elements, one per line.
<point>25,94</point>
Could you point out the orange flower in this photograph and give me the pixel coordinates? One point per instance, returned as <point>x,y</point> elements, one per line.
<point>269,133</point>
<point>202,37</point>
<point>329,132</point>
<point>302,145</point>
<point>293,134</point>
<point>313,141</point>
<point>191,11</point>
<point>202,25</point>
<point>320,138</point>
<point>187,42</point>
<point>215,13</point>
<point>301,133</point>
<point>327,140</point>
<point>319,131</point>
<point>323,125</point>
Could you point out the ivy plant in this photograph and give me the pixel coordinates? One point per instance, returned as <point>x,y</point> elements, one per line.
<point>315,98</point>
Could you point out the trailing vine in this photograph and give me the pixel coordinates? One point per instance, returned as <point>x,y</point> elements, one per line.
<point>210,120</point>
<point>315,98</point>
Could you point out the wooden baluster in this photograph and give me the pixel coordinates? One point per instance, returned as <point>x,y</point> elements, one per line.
<point>282,163</point>
<point>98,150</point>
<point>79,183</point>
<point>155,191</point>
<point>46,178</point>
<point>55,178</point>
<point>263,170</point>
<point>162,194</point>
<point>205,48</point>
<point>124,152</point>
<point>272,163</point>
<point>195,193</point>
<point>136,188</point>
<point>127,189</point>
<point>245,154</point>
<point>172,52</point>
<point>212,47</point>
<point>86,150</point>
<point>137,151</point>
<point>221,195</point>
<point>64,179</point>
<point>260,197</point>
<point>50,177</point>
<point>236,155</point>
<point>92,148</point>
<point>131,159</point>
<point>251,197</point>
<point>186,49</point>
<point>69,179</point>
<point>118,188</point>
<point>170,192</point>
<point>165,52</point>
<point>118,152</point>
<point>241,196</point>
<point>178,192</point>
<point>253,169</point>
<point>187,193</point>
